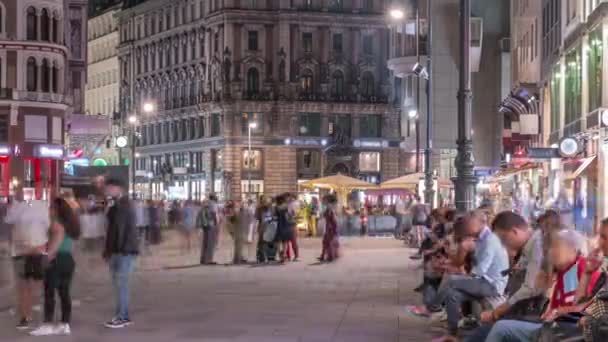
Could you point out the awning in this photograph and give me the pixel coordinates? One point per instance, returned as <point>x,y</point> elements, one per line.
<point>500,175</point>
<point>584,165</point>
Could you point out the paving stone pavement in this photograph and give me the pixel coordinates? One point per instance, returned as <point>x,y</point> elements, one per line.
<point>359,298</point>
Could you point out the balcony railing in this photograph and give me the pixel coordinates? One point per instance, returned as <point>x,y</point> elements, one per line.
<point>23,95</point>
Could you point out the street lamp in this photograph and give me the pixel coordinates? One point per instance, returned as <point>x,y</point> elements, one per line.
<point>252,125</point>
<point>147,108</point>
<point>465,181</point>
<point>397,14</point>
<point>412,114</point>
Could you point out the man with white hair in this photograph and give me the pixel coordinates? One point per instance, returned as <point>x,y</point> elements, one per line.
<point>565,253</point>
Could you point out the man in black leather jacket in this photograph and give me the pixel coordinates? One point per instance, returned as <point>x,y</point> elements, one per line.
<point>120,250</point>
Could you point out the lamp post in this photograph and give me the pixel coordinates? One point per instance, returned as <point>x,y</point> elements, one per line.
<point>428,165</point>
<point>252,125</point>
<point>134,121</point>
<point>465,180</point>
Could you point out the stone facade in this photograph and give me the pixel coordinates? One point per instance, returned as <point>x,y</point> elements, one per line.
<point>311,77</point>
<point>42,70</point>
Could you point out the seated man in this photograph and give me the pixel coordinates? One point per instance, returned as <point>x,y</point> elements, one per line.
<point>569,264</point>
<point>517,236</point>
<point>485,279</point>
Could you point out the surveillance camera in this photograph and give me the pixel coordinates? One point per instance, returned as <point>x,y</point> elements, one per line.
<point>420,71</point>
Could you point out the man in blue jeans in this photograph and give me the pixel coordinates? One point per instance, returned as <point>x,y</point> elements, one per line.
<point>121,249</point>
<point>485,279</point>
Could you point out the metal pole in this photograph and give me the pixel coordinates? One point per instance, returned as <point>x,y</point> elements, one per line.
<point>417,87</point>
<point>465,161</point>
<point>133,161</point>
<point>428,167</point>
<point>249,160</point>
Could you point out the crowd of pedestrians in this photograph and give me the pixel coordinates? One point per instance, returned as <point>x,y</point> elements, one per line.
<point>502,278</point>
<point>43,236</point>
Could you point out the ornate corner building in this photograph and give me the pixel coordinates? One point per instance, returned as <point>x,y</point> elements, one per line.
<point>42,74</point>
<point>303,82</point>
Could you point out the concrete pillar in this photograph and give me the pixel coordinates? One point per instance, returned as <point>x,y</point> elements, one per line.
<point>562,92</point>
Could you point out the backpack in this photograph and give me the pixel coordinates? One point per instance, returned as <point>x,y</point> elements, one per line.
<point>270,226</point>
<point>205,218</point>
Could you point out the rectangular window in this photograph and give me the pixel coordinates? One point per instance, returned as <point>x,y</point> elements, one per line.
<point>36,128</point>
<point>337,42</point>
<point>216,125</point>
<point>369,161</point>
<point>252,161</point>
<point>256,119</point>
<point>340,125</point>
<point>368,45</point>
<point>555,98</point>
<point>307,42</point>
<point>595,73</point>
<point>252,42</point>
<point>309,124</point>
<point>308,160</point>
<point>370,126</point>
<point>3,128</point>
<point>218,160</point>
<point>574,77</point>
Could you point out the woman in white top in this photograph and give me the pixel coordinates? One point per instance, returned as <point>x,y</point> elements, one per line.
<point>31,224</point>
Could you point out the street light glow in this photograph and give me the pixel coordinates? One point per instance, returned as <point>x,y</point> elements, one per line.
<point>253,125</point>
<point>412,114</point>
<point>133,119</point>
<point>397,14</point>
<point>148,107</point>
<point>137,155</point>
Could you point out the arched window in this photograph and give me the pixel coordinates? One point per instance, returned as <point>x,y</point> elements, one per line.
<point>307,81</point>
<point>56,25</point>
<point>253,77</point>
<point>45,25</point>
<point>45,76</point>
<point>338,79</point>
<point>2,19</point>
<point>32,24</point>
<point>32,74</point>
<point>55,83</point>
<point>367,84</point>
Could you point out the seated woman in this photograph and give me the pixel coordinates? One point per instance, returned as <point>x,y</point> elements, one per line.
<point>565,253</point>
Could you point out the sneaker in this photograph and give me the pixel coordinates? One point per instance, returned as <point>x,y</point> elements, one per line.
<point>24,324</point>
<point>44,330</point>
<point>118,323</point>
<point>438,317</point>
<point>63,329</point>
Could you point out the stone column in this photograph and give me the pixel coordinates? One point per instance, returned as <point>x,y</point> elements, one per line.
<point>38,24</point>
<point>39,78</point>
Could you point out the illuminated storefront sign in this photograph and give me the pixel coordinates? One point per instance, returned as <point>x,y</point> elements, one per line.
<point>49,151</point>
<point>363,143</point>
<point>5,150</point>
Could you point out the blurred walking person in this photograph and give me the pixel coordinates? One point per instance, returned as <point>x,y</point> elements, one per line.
<point>31,224</point>
<point>331,243</point>
<point>208,221</point>
<point>266,230</point>
<point>120,251</point>
<point>233,226</point>
<point>285,226</point>
<point>189,213</point>
<point>65,228</point>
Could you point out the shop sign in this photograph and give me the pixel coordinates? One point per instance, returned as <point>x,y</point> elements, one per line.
<point>303,142</point>
<point>569,147</point>
<point>122,141</point>
<point>543,153</point>
<point>180,170</point>
<point>361,143</point>
<point>49,151</point>
<point>5,150</point>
